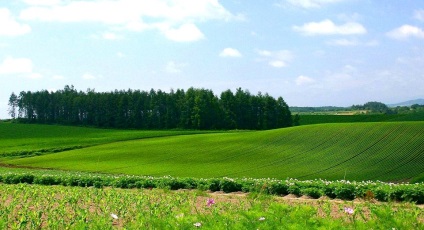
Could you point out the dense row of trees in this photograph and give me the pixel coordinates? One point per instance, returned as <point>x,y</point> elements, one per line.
<point>191,109</point>
<point>373,106</point>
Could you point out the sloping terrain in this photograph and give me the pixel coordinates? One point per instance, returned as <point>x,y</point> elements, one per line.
<point>389,151</point>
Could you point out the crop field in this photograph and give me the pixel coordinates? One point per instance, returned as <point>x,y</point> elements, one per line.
<point>388,151</point>
<point>35,139</point>
<point>307,119</point>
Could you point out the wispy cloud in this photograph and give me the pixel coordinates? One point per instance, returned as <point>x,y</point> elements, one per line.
<point>406,31</point>
<point>89,76</point>
<point>173,67</point>
<point>419,15</point>
<point>185,33</point>
<point>9,26</point>
<point>304,80</point>
<point>327,27</point>
<point>352,42</point>
<point>277,59</point>
<point>309,3</point>
<point>230,52</point>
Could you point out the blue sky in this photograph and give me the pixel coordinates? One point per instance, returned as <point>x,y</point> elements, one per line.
<point>310,52</point>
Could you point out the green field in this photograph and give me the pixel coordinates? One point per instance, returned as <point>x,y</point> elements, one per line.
<point>308,119</point>
<point>34,138</point>
<point>389,151</point>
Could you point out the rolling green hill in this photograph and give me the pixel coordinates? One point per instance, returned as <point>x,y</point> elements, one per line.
<point>389,151</point>
<point>27,139</point>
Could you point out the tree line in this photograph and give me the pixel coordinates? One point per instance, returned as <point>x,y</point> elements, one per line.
<point>154,109</point>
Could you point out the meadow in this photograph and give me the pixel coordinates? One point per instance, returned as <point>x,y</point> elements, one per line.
<point>387,151</point>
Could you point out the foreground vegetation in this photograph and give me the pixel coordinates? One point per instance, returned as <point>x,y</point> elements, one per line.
<point>390,151</point>
<point>344,190</point>
<point>55,207</point>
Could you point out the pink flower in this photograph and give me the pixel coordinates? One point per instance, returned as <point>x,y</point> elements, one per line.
<point>210,202</point>
<point>349,210</point>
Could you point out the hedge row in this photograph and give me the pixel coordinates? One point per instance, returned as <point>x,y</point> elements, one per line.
<point>344,190</point>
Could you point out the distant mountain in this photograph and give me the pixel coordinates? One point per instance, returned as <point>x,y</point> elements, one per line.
<point>408,103</point>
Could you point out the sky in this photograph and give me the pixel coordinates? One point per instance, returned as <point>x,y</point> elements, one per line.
<point>310,52</point>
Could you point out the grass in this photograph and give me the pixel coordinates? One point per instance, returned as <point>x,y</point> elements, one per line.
<point>35,138</point>
<point>307,119</point>
<point>388,151</point>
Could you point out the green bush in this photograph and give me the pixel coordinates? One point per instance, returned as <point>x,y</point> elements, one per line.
<point>214,185</point>
<point>312,192</point>
<point>345,191</point>
<point>230,185</point>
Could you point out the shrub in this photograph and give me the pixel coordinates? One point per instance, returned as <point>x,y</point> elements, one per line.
<point>214,185</point>
<point>47,180</point>
<point>230,185</point>
<point>312,192</point>
<point>415,194</point>
<point>278,188</point>
<point>345,191</point>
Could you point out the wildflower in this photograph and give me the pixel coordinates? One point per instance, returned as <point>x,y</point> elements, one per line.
<point>197,225</point>
<point>349,210</point>
<point>262,218</point>
<point>210,202</point>
<point>114,216</point>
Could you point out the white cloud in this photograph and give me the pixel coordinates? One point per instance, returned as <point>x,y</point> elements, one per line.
<point>22,67</point>
<point>111,36</point>
<point>304,80</point>
<point>176,19</point>
<point>173,67</point>
<point>34,76</point>
<point>230,52</point>
<point>419,15</point>
<point>185,33</point>
<point>406,31</point>
<point>42,2</point>
<point>277,59</point>
<point>89,76</point>
<point>9,26</point>
<point>311,3</point>
<point>16,66</point>
<point>327,27</point>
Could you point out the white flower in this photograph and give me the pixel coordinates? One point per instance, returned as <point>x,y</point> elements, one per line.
<point>114,216</point>
<point>197,225</point>
<point>262,218</point>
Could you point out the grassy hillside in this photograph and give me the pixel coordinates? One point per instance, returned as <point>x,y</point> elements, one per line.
<point>33,138</point>
<point>388,151</point>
